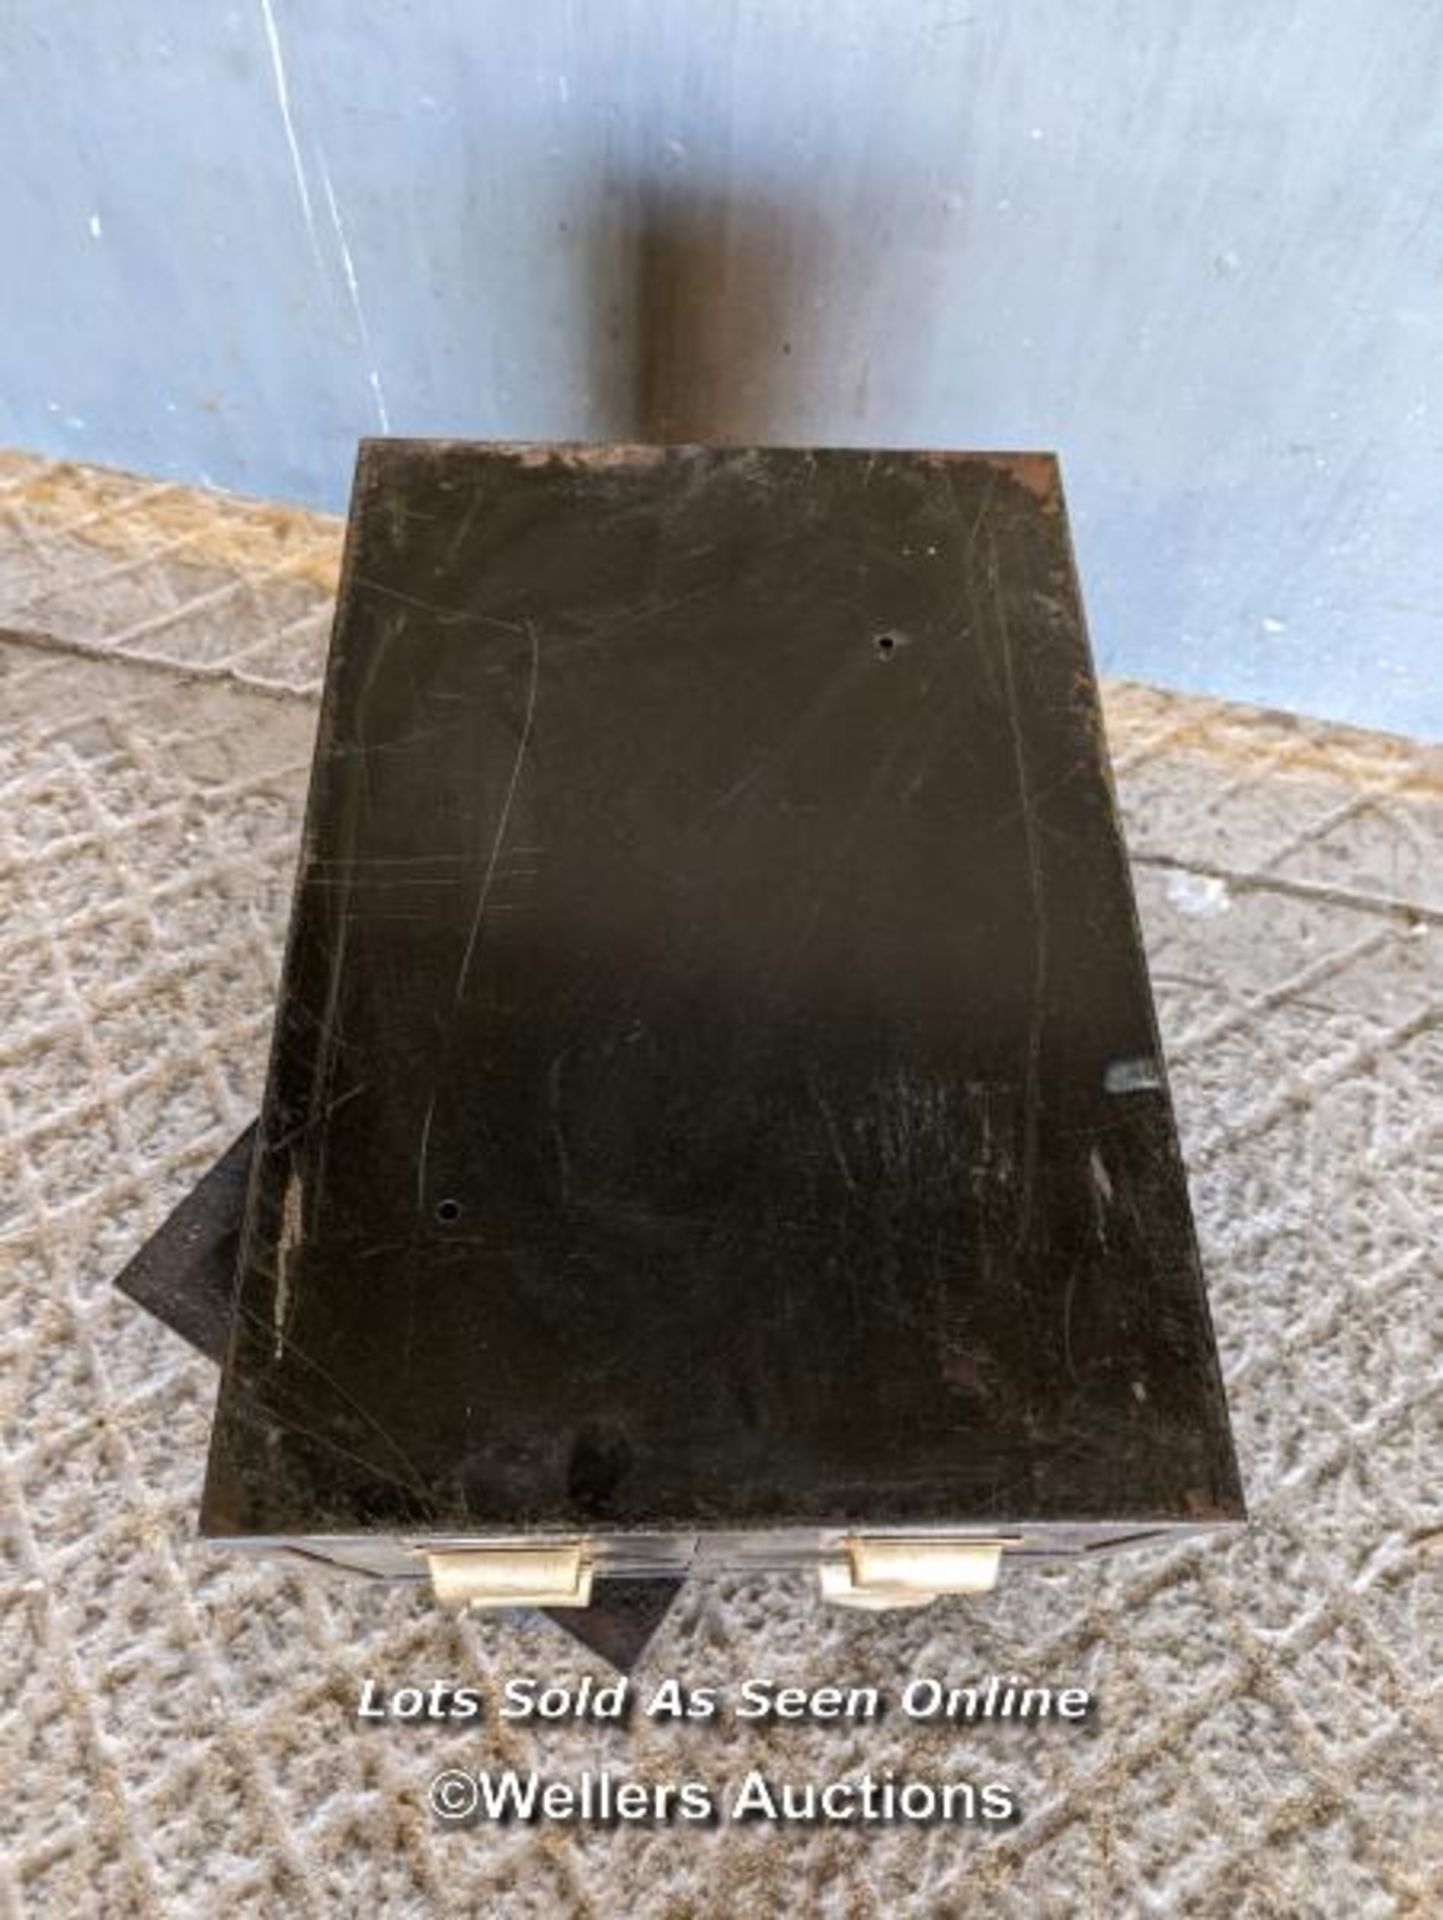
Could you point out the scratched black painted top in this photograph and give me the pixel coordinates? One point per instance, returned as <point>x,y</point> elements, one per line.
<point>715,1080</point>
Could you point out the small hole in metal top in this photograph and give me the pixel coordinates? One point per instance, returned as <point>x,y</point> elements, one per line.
<point>448,1211</point>
<point>887,644</point>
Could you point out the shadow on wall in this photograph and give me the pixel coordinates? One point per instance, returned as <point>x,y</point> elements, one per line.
<point>738,318</point>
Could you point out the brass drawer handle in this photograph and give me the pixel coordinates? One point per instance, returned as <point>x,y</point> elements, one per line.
<point>878,1574</point>
<point>512,1577</point>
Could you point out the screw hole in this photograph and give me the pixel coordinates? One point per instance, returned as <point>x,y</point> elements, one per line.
<point>448,1211</point>
<point>887,644</point>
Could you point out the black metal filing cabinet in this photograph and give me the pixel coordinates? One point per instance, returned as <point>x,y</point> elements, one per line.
<point>716,1115</point>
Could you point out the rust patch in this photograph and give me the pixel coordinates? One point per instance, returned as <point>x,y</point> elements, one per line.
<point>585,453</point>
<point>1037,472</point>
<point>592,454</point>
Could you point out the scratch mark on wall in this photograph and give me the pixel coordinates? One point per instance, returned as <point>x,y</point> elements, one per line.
<point>353,287</point>
<point>283,99</point>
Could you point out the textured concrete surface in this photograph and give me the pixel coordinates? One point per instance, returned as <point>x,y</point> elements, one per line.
<point>178,1726</point>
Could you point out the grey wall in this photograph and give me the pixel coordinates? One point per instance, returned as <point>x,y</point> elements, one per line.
<point>1196,247</point>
